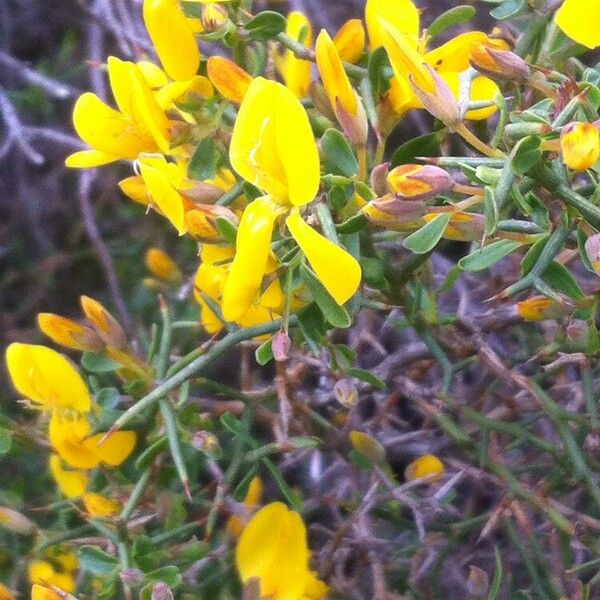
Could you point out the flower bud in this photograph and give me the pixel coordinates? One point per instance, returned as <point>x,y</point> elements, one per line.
<point>5,593</point>
<point>131,577</point>
<point>580,145</point>
<point>162,266</point>
<point>378,178</point>
<point>478,583</point>
<point>463,226</point>
<point>592,250</point>
<point>281,345</point>
<point>540,308</point>
<point>296,72</point>
<point>104,323</point>
<point>69,334</point>
<point>346,393</point>
<point>201,221</point>
<point>230,79</point>
<point>206,442</point>
<point>419,182</point>
<point>16,522</point>
<point>493,59</point>
<point>394,213</point>
<point>161,591</point>
<point>214,16</point>
<point>439,102</point>
<point>427,465</point>
<point>367,446</point>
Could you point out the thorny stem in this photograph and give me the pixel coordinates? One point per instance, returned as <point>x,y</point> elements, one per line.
<point>194,367</point>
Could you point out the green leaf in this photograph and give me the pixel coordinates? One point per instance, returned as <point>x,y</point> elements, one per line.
<point>98,363</point>
<point>380,71</point>
<point>150,453</point>
<point>354,224</point>
<point>312,325</point>
<point>367,377</point>
<point>96,561</point>
<point>581,240</point>
<point>264,353</point>
<point>227,230</point>
<point>526,154</point>
<point>266,25</point>
<point>242,488</point>
<point>423,145</point>
<point>335,314</point>
<point>533,254</point>
<point>490,210</point>
<point>338,158</point>
<point>487,256</point>
<point>497,580</point>
<point>426,238</point>
<point>169,575</point>
<point>108,398</point>
<point>452,17</point>
<point>5,441</point>
<point>204,162</point>
<point>560,278</point>
<point>508,9</point>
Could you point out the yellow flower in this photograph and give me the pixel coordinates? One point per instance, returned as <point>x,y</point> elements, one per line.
<point>229,78</point>
<point>43,573</point>
<point>350,41</point>
<point>274,549</point>
<point>70,437</point>
<point>140,125</point>
<point>41,592</point>
<point>395,25</point>
<point>273,147</point>
<point>105,325</point>
<point>172,37</point>
<point>540,308</point>
<point>235,523</point>
<point>5,593</point>
<point>419,182</point>
<point>427,465</point>
<point>295,71</point>
<point>344,100</point>
<point>68,333</point>
<point>161,265</point>
<point>97,505</point>
<point>47,378</point>
<point>580,146</point>
<point>72,483</point>
<point>579,19</point>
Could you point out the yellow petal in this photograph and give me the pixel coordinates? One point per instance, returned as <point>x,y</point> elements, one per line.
<point>406,61</point>
<point>401,15</point>
<point>164,195</point>
<point>172,37</point>
<point>427,465</point>
<point>87,159</point>
<point>273,145</point>
<point>106,130</point>
<point>5,593</point>
<point>97,505</point>
<point>580,146</point>
<point>178,90</point>
<point>229,78</point>
<point>579,20</point>
<point>335,268</point>
<point>39,592</point>
<point>68,333</point>
<point>295,71</point>
<point>251,253</point>
<point>67,437</point>
<point>47,377</point>
<point>135,189</point>
<point>71,483</point>
<point>350,41</point>
<point>155,77</point>
<point>455,55</point>
<point>115,450</point>
<point>336,82</point>
<point>161,265</point>
<point>273,548</point>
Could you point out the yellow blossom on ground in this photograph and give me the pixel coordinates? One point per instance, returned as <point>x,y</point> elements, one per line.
<point>427,465</point>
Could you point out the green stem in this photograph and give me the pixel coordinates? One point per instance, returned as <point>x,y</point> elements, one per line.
<point>195,366</point>
<point>134,497</point>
